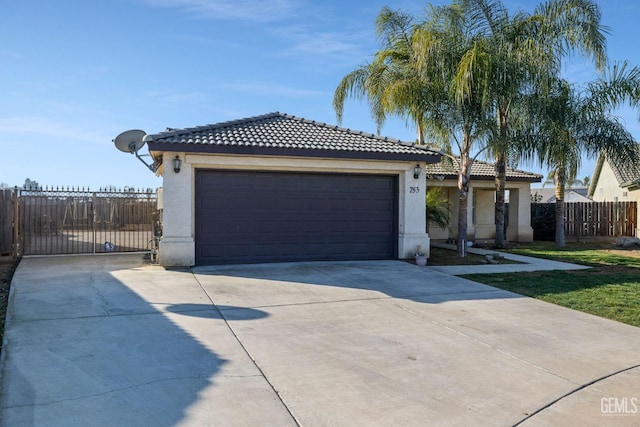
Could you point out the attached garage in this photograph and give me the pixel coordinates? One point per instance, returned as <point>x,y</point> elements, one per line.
<point>247,216</point>
<point>279,188</point>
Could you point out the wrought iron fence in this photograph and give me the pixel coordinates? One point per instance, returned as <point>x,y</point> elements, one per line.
<point>74,220</point>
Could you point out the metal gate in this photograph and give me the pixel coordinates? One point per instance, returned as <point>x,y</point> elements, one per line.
<point>76,221</point>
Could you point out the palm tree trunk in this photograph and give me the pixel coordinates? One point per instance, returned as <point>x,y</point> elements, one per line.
<point>501,180</point>
<point>501,175</point>
<point>463,189</point>
<point>462,222</point>
<point>560,178</point>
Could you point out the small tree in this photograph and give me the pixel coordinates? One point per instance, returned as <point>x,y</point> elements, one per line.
<point>437,208</point>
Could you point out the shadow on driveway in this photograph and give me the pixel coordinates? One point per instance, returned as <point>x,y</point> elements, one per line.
<point>261,285</point>
<point>84,346</point>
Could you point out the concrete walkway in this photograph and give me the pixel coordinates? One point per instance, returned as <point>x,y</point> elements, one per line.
<point>527,264</point>
<point>111,341</point>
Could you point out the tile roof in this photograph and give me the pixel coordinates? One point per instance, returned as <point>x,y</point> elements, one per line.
<point>479,170</point>
<point>283,134</point>
<point>627,175</point>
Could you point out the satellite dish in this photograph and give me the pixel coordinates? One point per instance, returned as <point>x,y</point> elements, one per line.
<point>130,141</point>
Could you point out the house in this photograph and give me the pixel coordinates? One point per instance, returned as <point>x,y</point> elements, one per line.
<point>277,187</point>
<point>615,183</point>
<point>481,201</point>
<point>571,195</point>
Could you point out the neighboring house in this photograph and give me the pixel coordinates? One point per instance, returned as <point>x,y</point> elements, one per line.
<point>571,195</point>
<point>615,183</point>
<point>481,202</point>
<point>277,188</point>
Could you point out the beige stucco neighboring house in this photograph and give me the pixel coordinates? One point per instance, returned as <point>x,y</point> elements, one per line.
<point>278,188</point>
<point>615,183</point>
<point>481,201</point>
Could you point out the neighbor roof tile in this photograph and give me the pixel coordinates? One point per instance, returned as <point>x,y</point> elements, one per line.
<point>479,170</point>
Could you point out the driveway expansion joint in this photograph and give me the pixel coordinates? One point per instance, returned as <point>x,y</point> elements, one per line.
<point>574,391</point>
<point>246,351</point>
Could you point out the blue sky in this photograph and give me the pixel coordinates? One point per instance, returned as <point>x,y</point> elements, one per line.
<point>75,73</point>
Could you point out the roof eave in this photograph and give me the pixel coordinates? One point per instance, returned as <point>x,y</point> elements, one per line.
<point>535,178</point>
<point>158,147</point>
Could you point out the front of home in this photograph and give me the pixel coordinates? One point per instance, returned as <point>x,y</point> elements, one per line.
<point>481,201</point>
<point>277,188</point>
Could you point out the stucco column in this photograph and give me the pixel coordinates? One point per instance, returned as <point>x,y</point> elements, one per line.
<point>519,229</point>
<point>485,223</point>
<point>177,246</point>
<point>412,227</point>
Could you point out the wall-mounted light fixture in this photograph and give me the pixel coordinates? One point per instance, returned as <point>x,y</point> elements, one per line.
<point>176,164</point>
<point>417,171</point>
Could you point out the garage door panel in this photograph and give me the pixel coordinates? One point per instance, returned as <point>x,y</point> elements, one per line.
<point>244,217</point>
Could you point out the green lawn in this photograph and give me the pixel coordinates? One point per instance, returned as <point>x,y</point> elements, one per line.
<point>610,289</point>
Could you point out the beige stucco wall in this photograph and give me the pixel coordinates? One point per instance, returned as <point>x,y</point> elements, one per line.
<point>177,247</point>
<point>481,211</point>
<point>608,190</point>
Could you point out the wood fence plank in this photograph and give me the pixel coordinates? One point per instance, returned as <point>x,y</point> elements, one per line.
<point>601,219</point>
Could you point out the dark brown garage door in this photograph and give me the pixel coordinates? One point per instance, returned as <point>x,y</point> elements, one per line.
<point>247,217</point>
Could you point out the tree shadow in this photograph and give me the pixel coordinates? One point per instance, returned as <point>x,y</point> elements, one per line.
<point>202,310</point>
<point>267,284</point>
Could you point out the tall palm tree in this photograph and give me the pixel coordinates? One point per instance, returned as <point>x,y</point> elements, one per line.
<point>453,59</point>
<point>432,74</point>
<point>524,49</point>
<point>571,124</point>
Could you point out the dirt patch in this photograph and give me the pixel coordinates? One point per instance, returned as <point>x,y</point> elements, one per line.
<point>633,253</point>
<point>446,257</point>
<point>7,268</point>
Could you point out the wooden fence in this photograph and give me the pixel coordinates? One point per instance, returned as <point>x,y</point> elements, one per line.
<point>592,219</point>
<point>7,207</point>
<point>601,219</point>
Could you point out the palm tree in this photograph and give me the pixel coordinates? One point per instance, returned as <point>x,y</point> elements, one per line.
<point>433,75</point>
<point>453,59</point>
<point>571,124</point>
<point>391,83</point>
<point>524,49</point>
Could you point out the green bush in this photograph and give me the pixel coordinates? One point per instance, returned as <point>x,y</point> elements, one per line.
<point>543,221</point>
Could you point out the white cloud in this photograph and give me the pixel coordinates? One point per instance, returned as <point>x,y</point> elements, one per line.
<point>250,10</point>
<point>325,44</point>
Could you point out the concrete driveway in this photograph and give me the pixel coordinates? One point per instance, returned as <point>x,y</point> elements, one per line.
<point>111,341</point>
